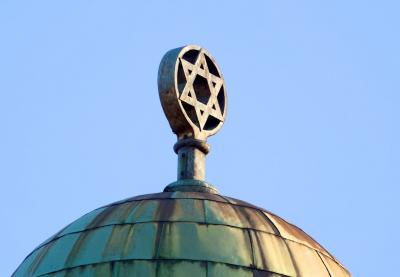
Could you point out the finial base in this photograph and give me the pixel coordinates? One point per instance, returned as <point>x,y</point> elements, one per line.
<point>191,185</point>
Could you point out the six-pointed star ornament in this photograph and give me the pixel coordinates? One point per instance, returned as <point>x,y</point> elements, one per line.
<point>192,92</point>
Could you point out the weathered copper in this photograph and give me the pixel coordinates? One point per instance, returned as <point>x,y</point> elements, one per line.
<point>193,96</point>
<point>192,92</point>
<point>181,234</point>
<point>189,229</point>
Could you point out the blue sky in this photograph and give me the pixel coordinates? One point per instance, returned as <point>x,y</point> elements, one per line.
<point>312,131</point>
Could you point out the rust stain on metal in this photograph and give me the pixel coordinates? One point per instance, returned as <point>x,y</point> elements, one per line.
<point>39,258</point>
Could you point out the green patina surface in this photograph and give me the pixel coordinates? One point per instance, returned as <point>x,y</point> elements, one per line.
<point>180,234</point>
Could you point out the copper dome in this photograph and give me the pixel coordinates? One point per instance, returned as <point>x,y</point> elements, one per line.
<point>181,234</point>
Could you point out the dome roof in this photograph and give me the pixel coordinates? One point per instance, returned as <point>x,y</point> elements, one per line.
<point>177,234</point>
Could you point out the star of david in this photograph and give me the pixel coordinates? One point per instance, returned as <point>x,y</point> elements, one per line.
<point>204,106</point>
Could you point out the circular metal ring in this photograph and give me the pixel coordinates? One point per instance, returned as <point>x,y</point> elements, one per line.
<point>192,92</point>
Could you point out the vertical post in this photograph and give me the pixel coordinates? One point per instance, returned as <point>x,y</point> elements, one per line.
<point>191,158</point>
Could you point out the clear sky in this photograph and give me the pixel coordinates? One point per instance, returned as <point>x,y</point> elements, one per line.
<point>312,131</point>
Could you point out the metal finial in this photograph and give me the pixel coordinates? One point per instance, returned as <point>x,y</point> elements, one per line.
<point>193,97</point>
